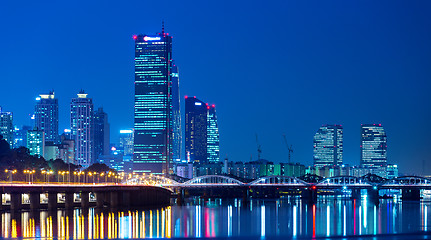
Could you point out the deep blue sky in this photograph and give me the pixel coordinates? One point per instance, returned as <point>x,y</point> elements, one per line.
<point>271,68</point>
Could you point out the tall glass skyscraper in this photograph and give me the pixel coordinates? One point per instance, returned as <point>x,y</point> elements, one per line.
<point>153,141</point>
<point>6,126</point>
<point>176,116</point>
<point>328,146</point>
<point>213,138</point>
<point>82,128</point>
<point>196,113</point>
<point>373,146</point>
<point>101,133</point>
<point>46,116</point>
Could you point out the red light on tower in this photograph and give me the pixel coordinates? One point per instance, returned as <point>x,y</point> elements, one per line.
<point>213,105</point>
<point>208,107</point>
<point>135,37</point>
<point>186,97</point>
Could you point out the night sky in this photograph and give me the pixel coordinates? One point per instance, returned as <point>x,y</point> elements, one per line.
<point>284,67</point>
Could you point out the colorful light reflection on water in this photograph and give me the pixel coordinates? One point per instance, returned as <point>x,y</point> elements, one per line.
<point>225,218</point>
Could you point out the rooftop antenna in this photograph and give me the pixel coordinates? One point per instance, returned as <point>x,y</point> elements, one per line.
<point>289,148</point>
<point>163,27</point>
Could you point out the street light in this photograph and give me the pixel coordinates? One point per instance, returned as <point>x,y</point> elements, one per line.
<point>11,172</point>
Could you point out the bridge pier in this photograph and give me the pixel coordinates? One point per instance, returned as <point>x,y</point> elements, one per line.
<point>309,195</point>
<point>35,200</point>
<point>411,194</point>
<point>69,203</point>
<point>52,200</point>
<point>15,201</point>
<point>356,193</point>
<point>100,199</point>
<point>113,203</point>
<point>180,197</point>
<point>373,195</point>
<point>85,199</point>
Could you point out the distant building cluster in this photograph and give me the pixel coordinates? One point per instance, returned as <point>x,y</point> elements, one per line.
<point>159,144</point>
<point>82,144</point>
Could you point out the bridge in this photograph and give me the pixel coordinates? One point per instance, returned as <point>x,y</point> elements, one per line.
<point>272,186</point>
<point>52,196</point>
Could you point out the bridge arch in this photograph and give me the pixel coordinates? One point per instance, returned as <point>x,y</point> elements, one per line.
<point>409,180</point>
<point>278,180</point>
<point>342,180</point>
<point>213,179</point>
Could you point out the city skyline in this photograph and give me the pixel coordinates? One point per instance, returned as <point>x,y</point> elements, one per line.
<point>379,64</point>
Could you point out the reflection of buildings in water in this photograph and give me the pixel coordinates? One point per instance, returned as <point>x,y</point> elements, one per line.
<point>259,219</point>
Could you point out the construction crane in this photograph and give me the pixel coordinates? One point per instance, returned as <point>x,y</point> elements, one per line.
<point>289,148</point>
<point>259,148</point>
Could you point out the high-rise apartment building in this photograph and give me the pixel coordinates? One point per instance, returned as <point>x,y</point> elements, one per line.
<point>176,116</point>
<point>153,104</point>
<point>213,138</point>
<point>328,146</point>
<point>101,133</point>
<point>196,130</point>
<point>373,146</point>
<point>82,128</point>
<point>6,126</point>
<point>36,142</point>
<point>46,116</point>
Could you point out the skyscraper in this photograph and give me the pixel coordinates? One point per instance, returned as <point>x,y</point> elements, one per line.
<point>46,116</point>
<point>82,132</point>
<point>36,142</point>
<point>213,138</point>
<point>176,116</point>
<point>6,126</point>
<point>153,104</point>
<point>196,114</point>
<point>328,146</point>
<point>126,141</point>
<point>373,146</point>
<point>101,133</point>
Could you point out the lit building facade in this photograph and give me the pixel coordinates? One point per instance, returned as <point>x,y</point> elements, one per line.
<point>176,116</point>
<point>373,146</point>
<point>82,132</point>
<point>6,127</point>
<point>153,104</point>
<point>328,146</point>
<point>196,130</point>
<point>213,138</point>
<point>126,141</point>
<point>36,142</point>
<point>20,136</point>
<point>101,133</point>
<point>46,116</point>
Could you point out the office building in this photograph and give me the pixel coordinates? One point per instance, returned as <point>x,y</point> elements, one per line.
<point>6,126</point>
<point>20,136</point>
<point>153,104</point>
<point>126,141</point>
<point>196,114</point>
<point>373,146</point>
<point>101,133</point>
<point>46,116</point>
<point>82,132</point>
<point>176,116</point>
<point>36,142</point>
<point>213,138</point>
<point>328,146</point>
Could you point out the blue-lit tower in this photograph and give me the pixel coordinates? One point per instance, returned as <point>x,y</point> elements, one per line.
<point>196,130</point>
<point>213,138</point>
<point>46,116</point>
<point>153,104</point>
<point>328,146</point>
<point>82,129</point>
